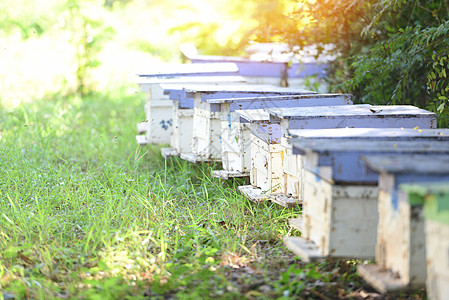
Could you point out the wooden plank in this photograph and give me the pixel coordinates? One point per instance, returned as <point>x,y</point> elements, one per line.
<point>257,195</point>
<point>254,115</point>
<point>354,116</point>
<point>169,152</point>
<point>360,110</point>
<point>245,88</point>
<point>194,158</point>
<point>142,127</point>
<point>284,200</point>
<point>224,174</point>
<point>254,194</point>
<point>343,156</point>
<point>382,280</point>
<point>346,97</point>
<point>305,249</point>
<point>413,163</point>
<point>296,223</point>
<point>371,133</point>
<point>142,140</point>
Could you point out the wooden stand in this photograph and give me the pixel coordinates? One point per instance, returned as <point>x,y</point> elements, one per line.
<point>169,152</point>
<point>305,249</point>
<point>223,174</point>
<point>193,158</point>
<point>142,140</point>
<point>257,195</point>
<point>381,279</point>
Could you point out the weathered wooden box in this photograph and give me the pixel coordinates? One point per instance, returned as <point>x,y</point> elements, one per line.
<point>207,133</point>
<point>158,111</point>
<point>338,189</point>
<point>235,132</point>
<point>283,119</point>
<point>400,248</point>
<point>436,211</point>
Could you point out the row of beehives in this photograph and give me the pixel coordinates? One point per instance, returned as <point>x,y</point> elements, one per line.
<point>299,147</point>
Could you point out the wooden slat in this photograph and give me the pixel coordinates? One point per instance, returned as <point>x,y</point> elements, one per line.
<point>223,174</point>
<point>360,110</point>
<point>343,156</point>
<point>370,133</point>
<point>169,152</point>
<point>284,200</point>
<point>246,88</point>
<point>346,97</point>
<point>254,115</point>
<point>305,249</point>
<point>382,280</point>
<point>254,194</point>
<point>194,158</point>
<point>417,164</point>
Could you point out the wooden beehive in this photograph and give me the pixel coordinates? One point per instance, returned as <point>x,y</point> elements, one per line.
<point>182,109</point>
<point>293,164</point>
<point>159,112</point>
<point>206,141</point>
<point>339,216</point>
<point>400,248</point>
<point>278,69</point>
<point>436,211</point>
<point>283,119</point>
<point>235,135</point>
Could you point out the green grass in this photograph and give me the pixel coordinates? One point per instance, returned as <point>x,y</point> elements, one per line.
<point>86,213</point>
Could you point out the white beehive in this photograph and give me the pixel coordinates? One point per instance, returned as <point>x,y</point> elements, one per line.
<point>436,208</point>
<point>293,163</point>
<point>207,128</point>
<point>235,132</point>
<point>339,216</point>
<point>401,244</point>
<point>283,119</point>
<point>181,114</point>
<point>159,112</point>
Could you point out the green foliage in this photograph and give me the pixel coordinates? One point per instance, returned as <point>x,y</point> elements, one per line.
<point>409,66</point>
<point>387,52</point>
<point>30,20</point>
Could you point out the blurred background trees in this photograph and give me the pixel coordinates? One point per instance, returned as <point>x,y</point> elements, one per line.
<point>387,52</point>
<point>384,52</point>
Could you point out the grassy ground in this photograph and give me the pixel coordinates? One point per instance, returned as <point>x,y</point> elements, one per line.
<point>86,213</point>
